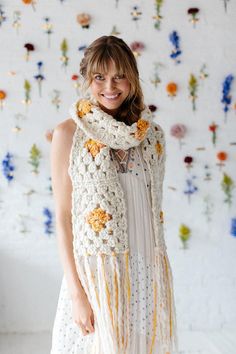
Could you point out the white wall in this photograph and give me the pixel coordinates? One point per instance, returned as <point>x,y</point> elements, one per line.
<point>205,273</point>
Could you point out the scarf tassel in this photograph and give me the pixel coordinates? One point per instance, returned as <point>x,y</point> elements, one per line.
<point>164,318</point>
<point>107,285</point>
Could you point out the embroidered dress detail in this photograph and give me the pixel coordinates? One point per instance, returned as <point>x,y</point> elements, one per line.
<point>102,154</point>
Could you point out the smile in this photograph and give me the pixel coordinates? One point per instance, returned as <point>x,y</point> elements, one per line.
<point>111,97</point>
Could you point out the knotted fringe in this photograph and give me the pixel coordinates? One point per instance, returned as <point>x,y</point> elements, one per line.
<point>164,318</point>
<point>106,280</point>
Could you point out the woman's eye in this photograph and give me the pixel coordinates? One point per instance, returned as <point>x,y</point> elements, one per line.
<point>98,77</point>
<point>119,77</point>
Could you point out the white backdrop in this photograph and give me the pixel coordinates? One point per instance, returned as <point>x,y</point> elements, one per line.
<point>30,270</point>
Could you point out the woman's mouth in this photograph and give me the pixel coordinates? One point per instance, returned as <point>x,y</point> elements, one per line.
<point>111,97</point>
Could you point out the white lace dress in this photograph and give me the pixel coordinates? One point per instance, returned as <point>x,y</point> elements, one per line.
<point>67,337</point>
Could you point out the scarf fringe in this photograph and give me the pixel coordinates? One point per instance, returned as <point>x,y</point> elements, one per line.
<point>108,290</point>
<point>165,328</point>
<point>106,280</point>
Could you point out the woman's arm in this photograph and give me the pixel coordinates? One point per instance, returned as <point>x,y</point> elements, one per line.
<point>62,188</point>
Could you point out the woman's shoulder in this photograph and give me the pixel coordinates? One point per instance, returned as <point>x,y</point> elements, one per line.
<point>63,132</point>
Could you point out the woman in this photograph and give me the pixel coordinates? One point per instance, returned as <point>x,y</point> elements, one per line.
<point>107,165</point>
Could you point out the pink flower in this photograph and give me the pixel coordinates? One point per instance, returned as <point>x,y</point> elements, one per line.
<point>178,130</point>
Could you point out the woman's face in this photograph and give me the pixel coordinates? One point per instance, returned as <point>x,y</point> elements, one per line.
<point>110,89</point>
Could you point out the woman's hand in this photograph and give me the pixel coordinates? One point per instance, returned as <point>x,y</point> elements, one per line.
<point>82,314</point>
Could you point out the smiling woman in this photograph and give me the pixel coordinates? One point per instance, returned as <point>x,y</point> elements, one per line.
<point>108,165</point>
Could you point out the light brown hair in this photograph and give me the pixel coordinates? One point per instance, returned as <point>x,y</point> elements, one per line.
<point>96,59</point>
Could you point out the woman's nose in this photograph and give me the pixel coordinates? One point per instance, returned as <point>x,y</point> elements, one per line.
<point>110,83</point>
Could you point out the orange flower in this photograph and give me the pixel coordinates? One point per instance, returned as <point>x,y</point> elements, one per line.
<point>171,88</point>
<point>27,1</point>
<point>222,156</point>
<point>97,218</point>
<point>83,107</point>
<point>2,95</point>
<point>142,126</point>
<point>93,146</point>
<point>159,148</point>
<point>84,20</point>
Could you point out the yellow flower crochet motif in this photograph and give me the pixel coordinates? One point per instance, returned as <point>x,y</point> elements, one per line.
<point>93,146</point>
<point>161,216</point>
<point>142,126</point>
<point>159,148</point>
<point>97,218</point>
<point>83,107</point>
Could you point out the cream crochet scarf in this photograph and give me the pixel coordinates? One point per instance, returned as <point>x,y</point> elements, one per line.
<point>102,127</point>
<point>100,239</point>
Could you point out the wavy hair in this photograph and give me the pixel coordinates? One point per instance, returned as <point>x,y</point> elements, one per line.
<point>96,59</point>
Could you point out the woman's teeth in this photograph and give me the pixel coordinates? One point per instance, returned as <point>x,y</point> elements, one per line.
<point>112,97</point>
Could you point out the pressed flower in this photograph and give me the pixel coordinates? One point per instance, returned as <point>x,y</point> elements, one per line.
<point>178,131</point>
<point>152,108</point>
<point>191,188</point>
<point>39,77</point>
<point>213,127</point>
<point>137,48</point>
<point>3,95</point>
<point>226,96</point>
<point>93,146</point>
<point>35,156</point>
<point>233,227</point>
<point>188,161</point>
<point>227,184</point>
<point>56,98</point>
<point>156,77</point>
<point>29,48</point>
<point>8,167</point>
<point>27,89</point>
<point>83,107</point>
<point>174,38</point>
<point>48,222</point>
<point>84,20</point>
<point>75,79</point>
<point>97,219</point>
<point>192,86</point>
<point>30,2</point>
<point>64,57</point>
<point>221,156</point>
<point>16,20</point>
<point>171,89</point>
<point>48,29</point>
<point>158,17</point>
<point>184,234</point>
<point>2,15</point>
<point>193,11</point>
<point>136,14</point>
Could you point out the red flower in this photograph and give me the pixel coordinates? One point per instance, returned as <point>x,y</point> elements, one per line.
<point>213,127</point>
<point>74,77</point>
<point>188,159</point>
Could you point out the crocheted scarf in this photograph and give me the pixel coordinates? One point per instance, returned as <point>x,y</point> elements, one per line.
<point>101,126</point>
<point>100,239</point>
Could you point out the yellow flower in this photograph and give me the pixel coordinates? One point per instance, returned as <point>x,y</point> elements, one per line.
<point>83,107</point>
<point>93,146</point>
<point>97,218</point>
<point>159,148</point>
<point>142,126</point>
